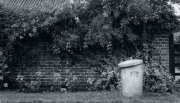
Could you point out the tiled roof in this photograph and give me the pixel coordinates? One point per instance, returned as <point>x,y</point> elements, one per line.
<point>42,5</point>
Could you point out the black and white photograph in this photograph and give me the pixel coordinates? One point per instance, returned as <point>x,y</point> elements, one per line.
<point>89,51</point>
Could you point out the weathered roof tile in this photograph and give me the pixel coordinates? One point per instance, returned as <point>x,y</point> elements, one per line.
<point>42,5</point>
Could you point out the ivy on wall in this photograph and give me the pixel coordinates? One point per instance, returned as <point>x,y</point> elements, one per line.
<point>113,28</point>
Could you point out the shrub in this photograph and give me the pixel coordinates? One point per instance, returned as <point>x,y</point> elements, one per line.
<point>106,81</point>
<point>29,86</point>
<point>72,83</point>
<point>157,79</point>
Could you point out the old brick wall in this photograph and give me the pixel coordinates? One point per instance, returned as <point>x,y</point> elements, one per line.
<point>52,70</point>
<point>161,52</point>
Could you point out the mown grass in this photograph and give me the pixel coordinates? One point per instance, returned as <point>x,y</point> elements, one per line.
<point>85,97</point>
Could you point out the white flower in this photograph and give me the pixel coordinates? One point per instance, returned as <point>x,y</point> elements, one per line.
<point>74,78</point>
<point>38,73</point>
<point>90,80</point>
<point>57,76</point>
<point>77,19</point>
<point>104,73</point>
<point>20,77</point>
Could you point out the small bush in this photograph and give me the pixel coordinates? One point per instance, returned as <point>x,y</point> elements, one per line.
<point>29,86</point>
<point>107,81</point>
<point>158,79</point>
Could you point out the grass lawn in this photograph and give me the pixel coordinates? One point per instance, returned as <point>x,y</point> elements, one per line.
<point>85,97</point>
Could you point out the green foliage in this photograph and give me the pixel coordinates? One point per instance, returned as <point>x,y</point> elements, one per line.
<point>29,86</point>
<point>111,28</point>
<point>158,79</point>
<point>107,81</point>
<point>94,24</point>
<point>102,22</point>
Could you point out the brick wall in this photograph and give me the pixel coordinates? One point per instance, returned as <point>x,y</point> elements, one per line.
<point>52,67</point>
<point>53,70</point>
<point>161,50</point>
